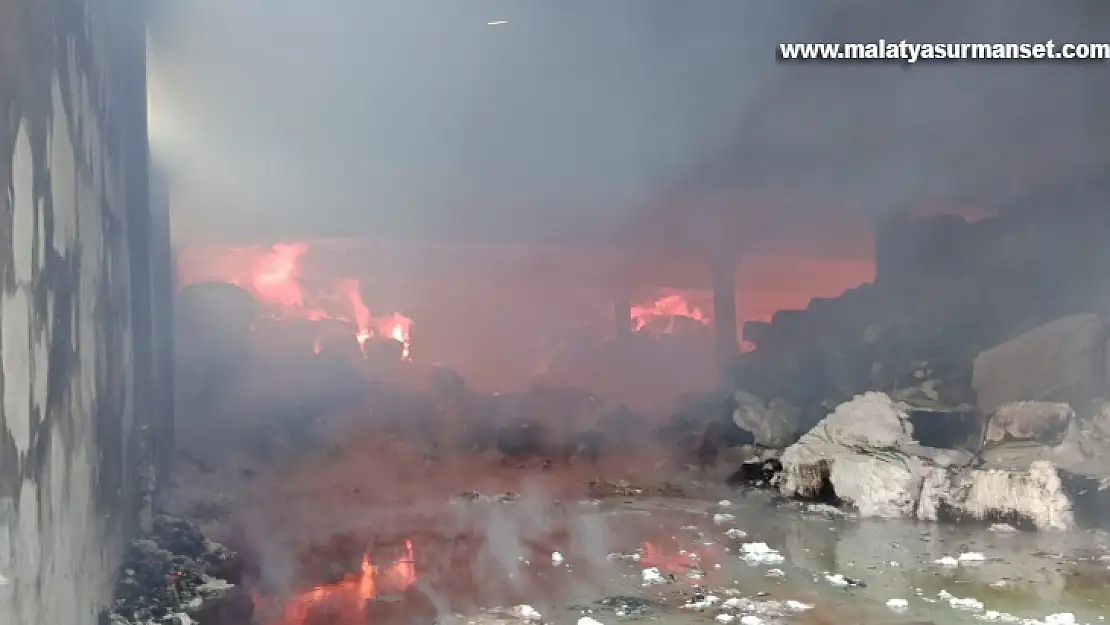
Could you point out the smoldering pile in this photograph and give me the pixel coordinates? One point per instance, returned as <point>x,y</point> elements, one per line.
<point>176,576</point>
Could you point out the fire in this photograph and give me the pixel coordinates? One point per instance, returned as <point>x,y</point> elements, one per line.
<point>276,275</point>
<point>275,279</point>
<point>669,306</point>
<point>396,326</point>
<point>346,599</point>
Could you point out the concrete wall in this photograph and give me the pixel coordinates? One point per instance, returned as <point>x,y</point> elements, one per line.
<point>78,366</point>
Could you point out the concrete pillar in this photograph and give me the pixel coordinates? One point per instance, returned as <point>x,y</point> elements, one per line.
<point>76,324</point>
<point>622,317</point>
<point>724,316</point>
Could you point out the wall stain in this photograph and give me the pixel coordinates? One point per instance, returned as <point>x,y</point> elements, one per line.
<point>72,79</point>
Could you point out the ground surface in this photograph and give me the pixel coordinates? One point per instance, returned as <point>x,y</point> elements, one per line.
<point>310,518</point>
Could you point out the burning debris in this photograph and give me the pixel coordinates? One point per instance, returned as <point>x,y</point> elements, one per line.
<point>275,278</point>
<point>669,311</point>
<point>176,576</point>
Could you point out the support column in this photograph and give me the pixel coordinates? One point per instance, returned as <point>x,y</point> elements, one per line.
<point>622,317</point>
<point>724,316</point>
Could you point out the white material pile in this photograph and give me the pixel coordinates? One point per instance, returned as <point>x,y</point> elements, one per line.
<point>866,453</point>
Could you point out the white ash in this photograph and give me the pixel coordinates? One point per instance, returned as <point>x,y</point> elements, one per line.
<point>838,580</point>
<point>825,509</point>
<point>760,553</point>
<point>527,612</point>
<point>970,604</point>
<point>966,558</point>
<point>702,602</point>
<point>742,607</point>
<point>652,576</point>
<point>898,605</point>
<point>798,606</point>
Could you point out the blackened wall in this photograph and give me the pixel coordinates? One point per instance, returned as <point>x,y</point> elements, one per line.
<point>79,370</point>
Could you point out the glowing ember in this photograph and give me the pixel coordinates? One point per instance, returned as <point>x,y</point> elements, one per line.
<point>668,307</point>
<point>345,601</point>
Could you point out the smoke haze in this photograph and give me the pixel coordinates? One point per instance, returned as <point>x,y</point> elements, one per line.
<point>417,119</point>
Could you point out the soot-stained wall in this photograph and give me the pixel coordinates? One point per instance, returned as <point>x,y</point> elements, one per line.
<point>78,373</point>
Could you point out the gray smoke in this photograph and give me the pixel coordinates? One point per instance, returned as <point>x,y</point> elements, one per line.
<point>416,118</point>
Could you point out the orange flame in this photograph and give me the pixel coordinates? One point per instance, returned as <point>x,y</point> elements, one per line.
<point>348,597</point>
<point>276,275</point>
<point>396,326</point>
<point>669,306</point>
<point>276,281</point>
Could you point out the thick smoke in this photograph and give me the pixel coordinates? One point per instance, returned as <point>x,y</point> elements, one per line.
<point>418,119</point>
<point>628,119</point>
<point>582,120</point>
<point>882,138</point>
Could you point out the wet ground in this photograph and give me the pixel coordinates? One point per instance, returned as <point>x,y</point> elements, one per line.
<point>712,554</point>
<point>640,551</point>
<point>686,561</point>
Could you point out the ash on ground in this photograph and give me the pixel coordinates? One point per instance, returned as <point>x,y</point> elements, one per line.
<point>177,576</point>
<point>620,606</point>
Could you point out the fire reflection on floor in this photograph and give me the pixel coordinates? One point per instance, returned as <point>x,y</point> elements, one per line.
<point>350,553</point>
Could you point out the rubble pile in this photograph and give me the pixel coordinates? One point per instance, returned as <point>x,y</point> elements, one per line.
<point>968,382</point>
<point>177,576</point>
